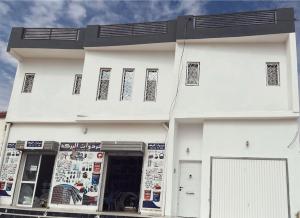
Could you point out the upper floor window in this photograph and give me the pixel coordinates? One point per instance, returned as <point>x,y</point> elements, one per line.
<point>127,84</point>
<point>77,84</point>
<point>151,85</point>
<point>103,84</point>
<point>273,74</point>
<point>28,82</point>
<point>192,73</point>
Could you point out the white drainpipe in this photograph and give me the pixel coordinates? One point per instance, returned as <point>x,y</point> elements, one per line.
<point>4,143</point>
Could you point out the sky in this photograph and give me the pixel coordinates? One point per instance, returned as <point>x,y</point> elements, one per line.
<point>63,13</point>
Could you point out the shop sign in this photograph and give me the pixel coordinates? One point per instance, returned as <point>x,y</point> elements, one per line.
<point>9,170</point>
<point>81,146</point>
<point>153,176</point>
<point>77,174</point>
<point>34,145</point>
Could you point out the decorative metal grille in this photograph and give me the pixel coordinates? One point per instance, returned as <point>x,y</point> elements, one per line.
<point>192,75</point>
<point>77,84</point>
<point>151,84</point>
<point>127,84</point>
<point>28,82</point>
<point>103,84</point>
<point>273,74</point>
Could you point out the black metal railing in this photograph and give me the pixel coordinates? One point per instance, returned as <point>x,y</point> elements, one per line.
<point>51,33</point>
<point>133,29</point>
<point>236,19</point>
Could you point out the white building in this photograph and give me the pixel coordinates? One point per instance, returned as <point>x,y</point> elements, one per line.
<point>193,117</point>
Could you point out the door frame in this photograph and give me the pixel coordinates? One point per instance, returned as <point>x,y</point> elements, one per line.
<point>107,155</point>
<point>21,180</point>
<point>179,176</point>
<point>21,172</point>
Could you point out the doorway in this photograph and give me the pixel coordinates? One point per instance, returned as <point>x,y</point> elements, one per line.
<point>189,189</point>
<point>123,181</point>
<point>36,180</point>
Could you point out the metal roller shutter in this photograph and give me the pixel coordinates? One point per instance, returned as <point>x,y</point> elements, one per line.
<point>248,188</point>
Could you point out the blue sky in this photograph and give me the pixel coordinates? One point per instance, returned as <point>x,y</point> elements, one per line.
<point>60,13</point>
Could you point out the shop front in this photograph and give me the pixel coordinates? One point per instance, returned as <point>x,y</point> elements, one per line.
<point>99,177</point>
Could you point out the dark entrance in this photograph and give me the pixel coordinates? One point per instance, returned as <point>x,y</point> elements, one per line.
<point>123,180</point>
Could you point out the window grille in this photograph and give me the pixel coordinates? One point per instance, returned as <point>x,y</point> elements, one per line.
<point>28,82</point>
<point>77,84</point>
<point>151,85</point>
<point>127,84</point>
<point>192,74</point>
<point>273,76</point>
<point>103,84</point>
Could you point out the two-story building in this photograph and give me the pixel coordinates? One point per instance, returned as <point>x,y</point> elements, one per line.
<point>192,117</point>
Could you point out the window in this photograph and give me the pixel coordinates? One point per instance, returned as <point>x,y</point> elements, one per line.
<point>273,75</point>
<point>103,84</point>
<point>28,82</point>
<point>192,74</point>
<point>127,84</point>
<point>77,84</point>
<point>151,85</point>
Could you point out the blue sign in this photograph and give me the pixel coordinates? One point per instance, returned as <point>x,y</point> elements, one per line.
<point>11,145</point>
<point>81,146</point>
<point>34,144</point>
<point>156,146</point>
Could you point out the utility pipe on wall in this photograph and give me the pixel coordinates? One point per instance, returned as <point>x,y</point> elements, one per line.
<point>4,143</point>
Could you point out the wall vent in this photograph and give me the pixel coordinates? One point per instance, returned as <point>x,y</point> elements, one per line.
<point>133,29</point>
<point>236,19</point>
<point>51,33</point>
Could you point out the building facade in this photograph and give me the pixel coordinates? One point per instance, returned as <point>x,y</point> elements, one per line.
<point>193,117</point>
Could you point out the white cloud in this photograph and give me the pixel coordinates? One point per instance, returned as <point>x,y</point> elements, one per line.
<point>4,56</point>
<point>4,8</point>
<point>76,12</point>
<point>44,14</point>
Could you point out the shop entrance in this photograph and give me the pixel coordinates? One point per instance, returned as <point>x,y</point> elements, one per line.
<point>123,181</point>
<point>36,180</point>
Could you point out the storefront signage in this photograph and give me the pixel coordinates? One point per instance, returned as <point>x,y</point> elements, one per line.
<point>34,145</point>
<point>77,174</point>
<point>81,146</point>
<point>11,145</point>
<point>9,170</point>
<point>153,176</point>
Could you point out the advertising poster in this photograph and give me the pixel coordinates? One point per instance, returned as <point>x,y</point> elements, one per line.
<point>9,170</point>
<point>77,174</point>
<point>153,176</point>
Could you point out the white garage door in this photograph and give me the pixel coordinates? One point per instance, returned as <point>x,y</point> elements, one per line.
<point>248,188</point>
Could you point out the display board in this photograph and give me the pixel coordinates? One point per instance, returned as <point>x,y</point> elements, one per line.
<point>9,170</point>
<point>153,177</point>
<point>77,174</point>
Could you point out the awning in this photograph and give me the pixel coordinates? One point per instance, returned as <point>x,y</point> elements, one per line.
<point>122,146</point>
<point>37,146</point>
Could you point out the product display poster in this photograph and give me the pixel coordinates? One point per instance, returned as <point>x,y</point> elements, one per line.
<point>77,174</point>
<point>9,170</point>
<point>153,176</point>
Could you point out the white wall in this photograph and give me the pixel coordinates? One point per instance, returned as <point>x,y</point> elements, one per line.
<point>117,60</point>
<point>233,78</point>
<point>95,132</point>
<point>267,139</point>
<point>51,97</point>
